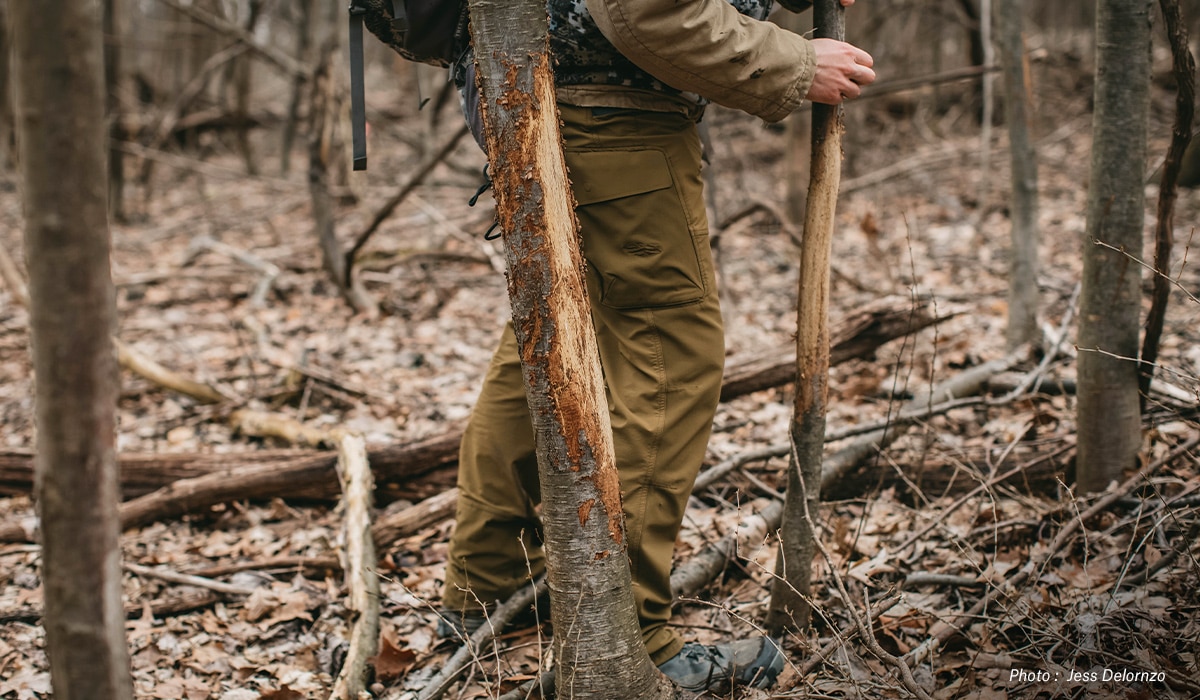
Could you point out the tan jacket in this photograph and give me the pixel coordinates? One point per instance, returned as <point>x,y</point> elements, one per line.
<point>708,48</point>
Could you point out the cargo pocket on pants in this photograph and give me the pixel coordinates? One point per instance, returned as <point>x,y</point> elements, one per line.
<point>636,237</point>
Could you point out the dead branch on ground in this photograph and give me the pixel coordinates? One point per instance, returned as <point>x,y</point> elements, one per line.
<point>362,580</point>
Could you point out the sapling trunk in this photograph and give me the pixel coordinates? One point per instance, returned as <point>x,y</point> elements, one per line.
<point>789,608</point>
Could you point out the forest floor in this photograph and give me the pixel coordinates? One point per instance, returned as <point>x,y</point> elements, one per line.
<point>979,495</point>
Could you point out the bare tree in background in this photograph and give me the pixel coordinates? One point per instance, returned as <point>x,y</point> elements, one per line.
<point>7,143</point>
<point>113,33</point>
<point>597,642</point>
<point>59,74</point>
<point>1023,261</point>
<point>1109,418</point>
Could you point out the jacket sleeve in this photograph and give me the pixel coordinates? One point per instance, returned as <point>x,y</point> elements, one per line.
<point>709,48</point>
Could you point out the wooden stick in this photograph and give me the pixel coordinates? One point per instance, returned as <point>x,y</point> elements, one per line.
<point>12,276</point>
<point>789,606</point>
<point>454,667</point>
<point>128,358</point>
<point>189,580</point>
<point>263,424</point>
<point>394,201</point>
<point>146,367</point>
<point>361,577</point>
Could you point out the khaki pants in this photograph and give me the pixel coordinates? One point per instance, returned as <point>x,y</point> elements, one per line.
<point>636,177</point>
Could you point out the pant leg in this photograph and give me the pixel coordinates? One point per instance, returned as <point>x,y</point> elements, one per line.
<point>658,325</point>
<point>496,540</point>
<point>636,177</point>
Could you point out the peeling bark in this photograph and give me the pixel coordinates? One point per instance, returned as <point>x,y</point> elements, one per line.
<point>598,642</point>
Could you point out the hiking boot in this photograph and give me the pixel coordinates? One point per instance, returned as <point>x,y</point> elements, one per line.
<point>456,625</point>
<point>754,662</point>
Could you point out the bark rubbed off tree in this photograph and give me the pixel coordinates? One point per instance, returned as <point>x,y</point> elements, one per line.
<point>60,118</point>
<point>790,587</point>
<point>598,643</point>
<point>1108,413</point>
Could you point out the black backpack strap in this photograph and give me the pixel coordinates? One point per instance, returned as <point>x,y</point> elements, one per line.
<point>358,106</point>
<point>399,16</point>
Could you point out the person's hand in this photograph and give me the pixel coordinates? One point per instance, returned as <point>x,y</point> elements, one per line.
<point>842,71</point>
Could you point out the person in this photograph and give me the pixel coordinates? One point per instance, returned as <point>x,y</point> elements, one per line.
<point>632,78</point>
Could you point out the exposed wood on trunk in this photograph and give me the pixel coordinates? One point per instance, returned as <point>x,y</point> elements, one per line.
<point>789,608</point>
<point>598,637</point>
<point>358,552</point>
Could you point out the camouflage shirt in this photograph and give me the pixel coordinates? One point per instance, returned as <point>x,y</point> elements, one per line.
<point>585,57</point>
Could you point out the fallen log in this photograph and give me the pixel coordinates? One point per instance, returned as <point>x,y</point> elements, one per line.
<point>857,335</point>
<point>362,581</point>
<point>311,475</point>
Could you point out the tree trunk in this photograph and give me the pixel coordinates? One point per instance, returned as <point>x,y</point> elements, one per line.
<point>1023,261</point>
<point>60,97</point>
<point>597,642</point>
<point>1108,415</point>
<point>304,31</point>
<point>7,129</point>
<point>789,606</point>
<point>326,149</point>
<point>113,32</point>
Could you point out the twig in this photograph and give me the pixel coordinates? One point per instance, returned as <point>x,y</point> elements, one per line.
<point>926,578</point>
<point>864,630</point>
<point>261,424</point>
<point>990,483</point>
<point>281,60</point>
<point>11,274</point>
<point>497,620</point>
<point>946,629</point>
<point>146,367</point>
<point>189,580</point>
<point>269,270</point>
<point>422,171</point>
<point>360,561</point>
<point>221,172</point>
<point>300,563</point>
<point>844,637</point>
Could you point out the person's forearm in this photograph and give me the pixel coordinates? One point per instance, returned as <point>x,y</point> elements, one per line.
<point>707,47</point>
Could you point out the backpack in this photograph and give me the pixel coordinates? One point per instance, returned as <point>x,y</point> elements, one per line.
<point>425,31</point>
